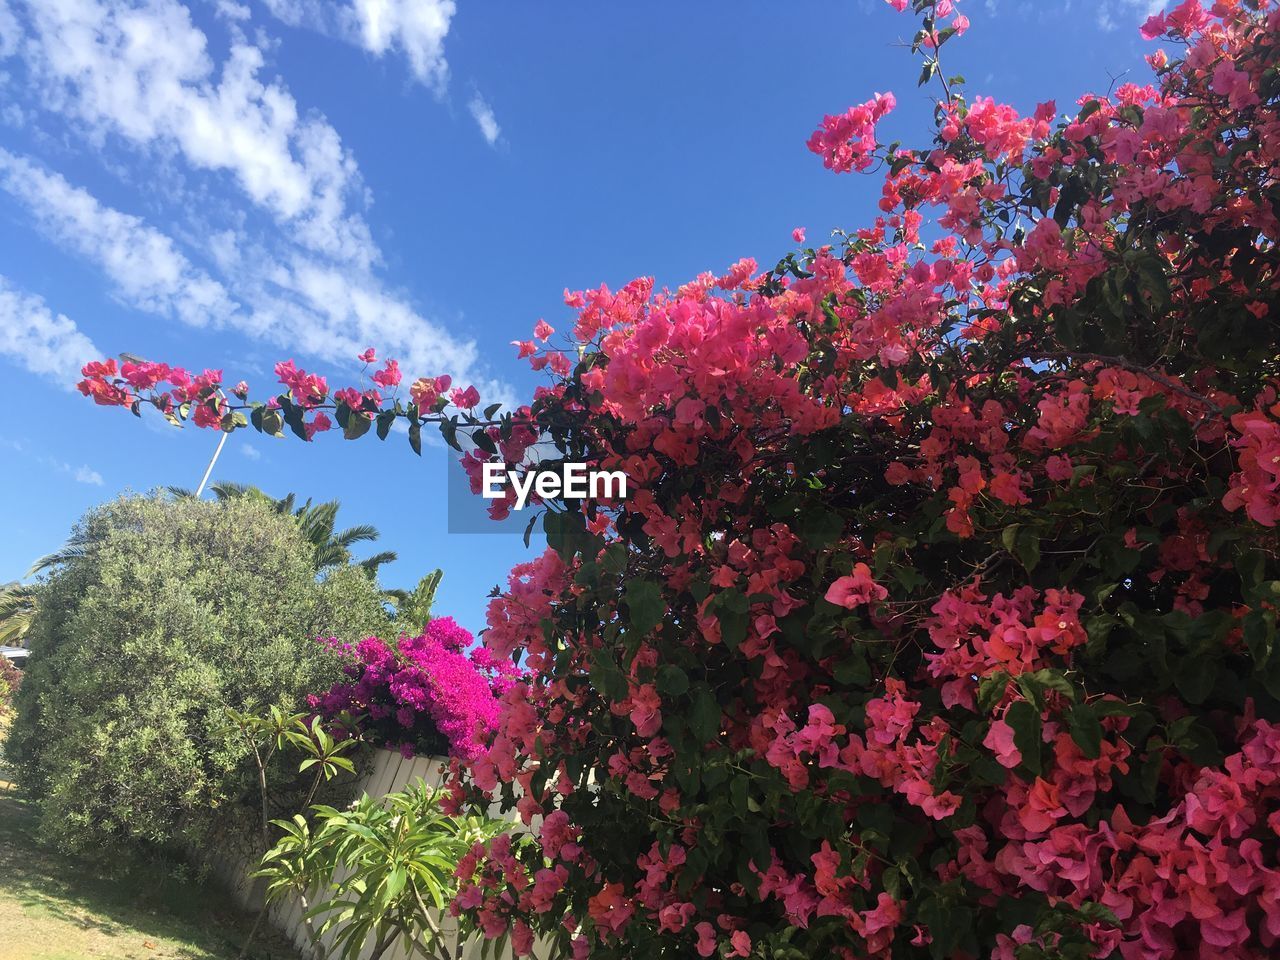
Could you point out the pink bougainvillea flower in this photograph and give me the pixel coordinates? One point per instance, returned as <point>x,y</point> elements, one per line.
<point>389,376</point>
<point>999,740</point>
<point>465,399</point>
<point>856,589</point>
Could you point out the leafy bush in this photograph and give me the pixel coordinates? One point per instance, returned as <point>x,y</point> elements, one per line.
<point>380,871</point>
<point>168,613</point>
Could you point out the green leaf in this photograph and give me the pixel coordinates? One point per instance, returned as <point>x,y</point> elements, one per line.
<point>272,423</point>
<point>1194,677</point>
<point>672,680</point>
<point>1086,730</point>
<point>607,677</point>
<point>645,606</point>
<point>730,607</point>
<point>357,426</point>
<point>1153,284</point>
<point>991,690</point>
<point>1025,721</point>
<point>704,715</point>
<point>415,437</point>
<point>853,670</point>
<point>819,528</point>
<point>1023,544</point>
<point>449,431</point>
<point>395,882</point>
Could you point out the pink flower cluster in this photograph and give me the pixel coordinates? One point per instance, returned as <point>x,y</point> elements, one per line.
<point>427,694</point>
<point>1256,485</point>
<point>847,141</point>
<point>106,383</point>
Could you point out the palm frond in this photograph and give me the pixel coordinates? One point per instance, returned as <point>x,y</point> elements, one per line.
<point>396,597</point>
<point>76,548</point>
<point>228,490</point>
<point>414,610</point>
<point>316,523</point>
<point>328,555</point>
<point>371,564</point>
<point>357,534</point>
<point>18,607</point>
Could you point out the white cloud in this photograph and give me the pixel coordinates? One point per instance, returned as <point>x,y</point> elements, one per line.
<point>142,71</point>
<point>9,30</point>
<point>250,451</point>
<point>290,298</point>
<point>1125,13</point>
<point>231,10</point>
<point>82,474</point>
<point>482,113</point>
<point>139,72</point>
<point>146,267</point>
<point>416,28</point>
<point>46,343</point>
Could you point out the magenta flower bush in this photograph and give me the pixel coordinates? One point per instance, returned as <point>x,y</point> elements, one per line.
<point>427,695</point>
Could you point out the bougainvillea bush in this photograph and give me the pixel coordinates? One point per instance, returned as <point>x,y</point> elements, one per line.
<point>941,618</point>
<point>10,681</point>
<point>432,694</point>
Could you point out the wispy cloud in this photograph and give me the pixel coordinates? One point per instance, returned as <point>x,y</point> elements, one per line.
<point>46,343</point>
<point>304,276</point>
<point>145,74</point>
<point>144,265</point>
<point>9,30</point>
<point>284,296</point>
<point>82,474</point>
<point>414,28</point>
<point>1113,14</point>
<point>250,451</point>
<point>482,113</point>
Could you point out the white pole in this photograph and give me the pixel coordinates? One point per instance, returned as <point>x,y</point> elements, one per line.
<point>209,469</point>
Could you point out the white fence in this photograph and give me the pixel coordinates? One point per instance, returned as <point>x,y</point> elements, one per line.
<point>390,772</point>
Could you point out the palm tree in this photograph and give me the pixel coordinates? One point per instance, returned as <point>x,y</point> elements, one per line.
<point>18,606</point>
<point>76,547</point>
<point>413,610</point>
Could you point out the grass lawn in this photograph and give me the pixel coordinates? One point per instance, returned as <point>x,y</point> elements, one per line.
<point>52,908</point>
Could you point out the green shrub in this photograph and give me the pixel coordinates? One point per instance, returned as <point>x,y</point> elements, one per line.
<point>168,612</point>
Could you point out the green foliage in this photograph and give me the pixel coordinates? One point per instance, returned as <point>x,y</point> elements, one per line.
<point>317,523</point>
<point>384,869</point>
<point>18,604</point>
<point>169,612</point>
<point>413,609</point>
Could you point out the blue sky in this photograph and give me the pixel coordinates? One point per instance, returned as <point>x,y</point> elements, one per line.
<point>230,183</point>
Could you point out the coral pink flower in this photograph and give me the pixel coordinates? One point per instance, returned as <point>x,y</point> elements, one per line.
<point>856,589</point>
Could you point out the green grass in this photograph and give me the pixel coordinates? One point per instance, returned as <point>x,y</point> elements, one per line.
<point>53,908</point>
